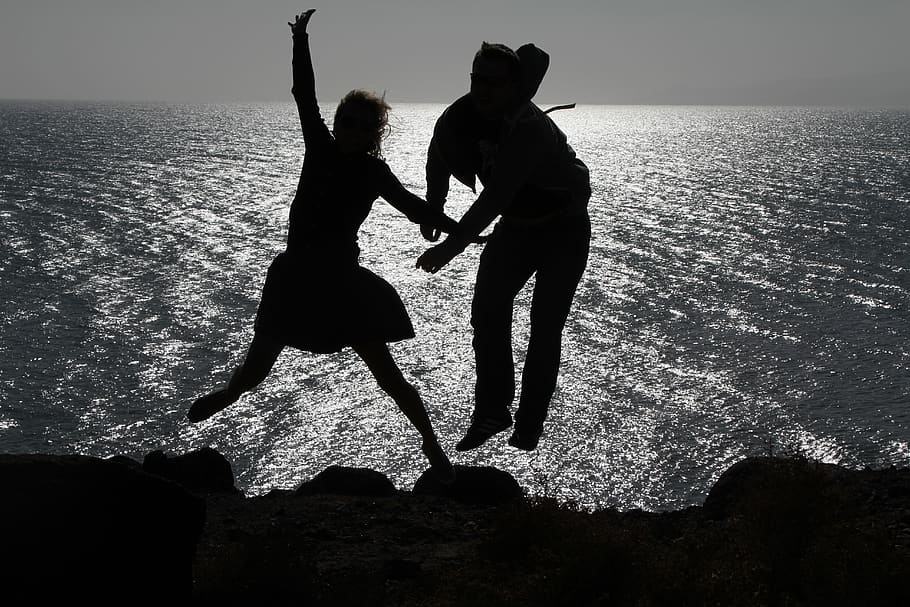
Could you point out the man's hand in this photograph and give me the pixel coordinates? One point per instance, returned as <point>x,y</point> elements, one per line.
<point>435,258</point>
<point>301,21</point>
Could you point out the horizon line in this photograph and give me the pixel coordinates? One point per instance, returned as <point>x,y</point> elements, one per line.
<point>905,106</point>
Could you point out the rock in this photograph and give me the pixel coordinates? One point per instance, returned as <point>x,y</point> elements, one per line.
<point>202,471</point>
<point>765,483</point>
<point>479,485</point>
<point>125,461</point>
<point>342,480</point>
<point>401,569</point>
<point>80,528</point>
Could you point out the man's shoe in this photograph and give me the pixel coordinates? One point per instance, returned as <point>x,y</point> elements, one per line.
<point>526,440</point>
<point>480,430</point>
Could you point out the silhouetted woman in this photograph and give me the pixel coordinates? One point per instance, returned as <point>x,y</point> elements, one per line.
<point>316,296</point>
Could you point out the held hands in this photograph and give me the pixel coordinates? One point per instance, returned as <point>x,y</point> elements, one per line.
<point>429,232</point>
<point>301,21</point>
<point>432,232</point>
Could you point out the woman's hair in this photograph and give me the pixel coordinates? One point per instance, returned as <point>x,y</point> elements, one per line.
<point>366,111</point>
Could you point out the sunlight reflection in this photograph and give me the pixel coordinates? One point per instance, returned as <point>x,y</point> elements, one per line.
<point>745,292</point>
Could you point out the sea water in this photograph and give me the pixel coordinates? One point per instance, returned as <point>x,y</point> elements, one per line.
<point>748,292</point>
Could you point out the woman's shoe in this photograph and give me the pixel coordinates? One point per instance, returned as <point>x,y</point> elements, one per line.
<point>442,468</point>
<point>209,405</point>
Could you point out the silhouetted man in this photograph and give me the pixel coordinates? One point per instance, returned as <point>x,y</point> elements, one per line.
<point>533,180</point>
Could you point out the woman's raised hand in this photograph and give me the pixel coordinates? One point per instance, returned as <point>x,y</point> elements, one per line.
<point>300,22</point>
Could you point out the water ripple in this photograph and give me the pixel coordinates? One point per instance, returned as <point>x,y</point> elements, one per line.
<point>747,292</point>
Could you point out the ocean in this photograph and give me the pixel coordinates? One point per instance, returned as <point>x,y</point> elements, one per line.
<point>747,293</point>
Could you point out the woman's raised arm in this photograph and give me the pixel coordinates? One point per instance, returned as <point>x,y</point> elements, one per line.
<point>304,88</point>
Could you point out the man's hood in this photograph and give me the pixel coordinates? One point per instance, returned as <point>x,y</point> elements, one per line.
<point>534,64</point>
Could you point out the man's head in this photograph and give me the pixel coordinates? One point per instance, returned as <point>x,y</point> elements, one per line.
<point>495,79</point>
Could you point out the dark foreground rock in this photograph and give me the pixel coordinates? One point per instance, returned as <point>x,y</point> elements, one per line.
<point>201,471</point>
<point>771,532</point>
<point>80,529</point>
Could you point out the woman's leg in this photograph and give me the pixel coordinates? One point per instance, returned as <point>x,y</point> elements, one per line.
<point>377,357</point>
<point>384,368</point>
<point>260,357</point>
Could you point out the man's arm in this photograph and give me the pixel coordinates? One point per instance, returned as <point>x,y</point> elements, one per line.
<point>438,176</point>
<point>516,160</point>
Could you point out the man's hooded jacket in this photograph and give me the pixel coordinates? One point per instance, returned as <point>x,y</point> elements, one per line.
<point>528,170</point>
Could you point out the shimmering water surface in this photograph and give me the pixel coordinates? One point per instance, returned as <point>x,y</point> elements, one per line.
<point>748,289</point>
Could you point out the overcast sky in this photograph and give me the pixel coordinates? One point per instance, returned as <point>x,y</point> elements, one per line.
<point>815,52</point>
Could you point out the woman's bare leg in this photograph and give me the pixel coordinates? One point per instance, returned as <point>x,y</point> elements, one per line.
<point>387,373</point>
<point>260,357</point>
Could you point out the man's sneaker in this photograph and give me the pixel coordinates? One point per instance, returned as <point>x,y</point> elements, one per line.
<point>480,430</point>
<point>526,440</point>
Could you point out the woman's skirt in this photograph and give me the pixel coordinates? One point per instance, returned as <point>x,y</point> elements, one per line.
<point>325,307</point>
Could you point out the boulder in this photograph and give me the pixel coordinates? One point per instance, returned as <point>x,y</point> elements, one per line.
<point>79,528</point>
<point>342,480</point>
<point>478,485</point>
<point>125,461</point>
<point>201,471</point>
<point>772,484</point>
